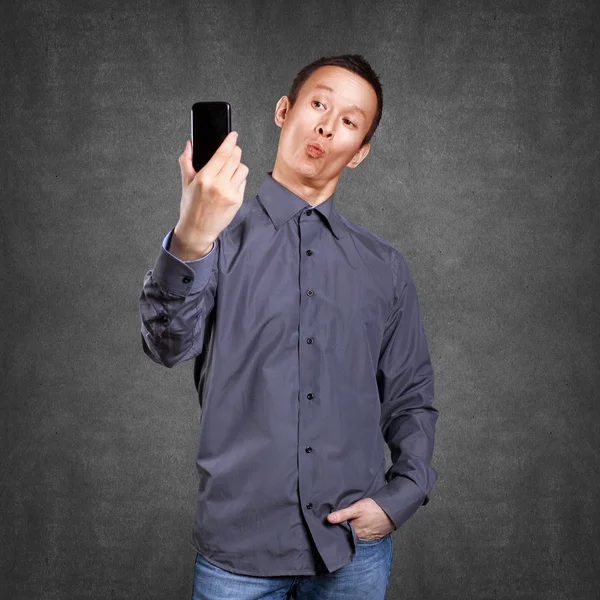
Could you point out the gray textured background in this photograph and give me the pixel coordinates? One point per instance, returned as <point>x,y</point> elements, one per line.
<point>484,173</point>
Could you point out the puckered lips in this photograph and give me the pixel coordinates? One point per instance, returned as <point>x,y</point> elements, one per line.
<point>315,149</point>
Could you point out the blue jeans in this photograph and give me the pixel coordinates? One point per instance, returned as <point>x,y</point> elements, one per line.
<point>364,578</point>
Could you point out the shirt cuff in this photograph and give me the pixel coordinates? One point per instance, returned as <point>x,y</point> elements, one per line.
<point>167,244</point>
<point>400,499</point>
<point>182,277</point>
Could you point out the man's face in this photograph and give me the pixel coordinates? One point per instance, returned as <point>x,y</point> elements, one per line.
<point>332,119</point>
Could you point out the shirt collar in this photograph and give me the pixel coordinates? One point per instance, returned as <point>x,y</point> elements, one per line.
<point>282,204</point>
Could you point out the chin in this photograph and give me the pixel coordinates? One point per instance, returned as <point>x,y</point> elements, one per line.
<point>304,167</point>
<point>300,163</point>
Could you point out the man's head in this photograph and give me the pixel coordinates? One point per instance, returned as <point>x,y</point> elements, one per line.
<point>341,119</point>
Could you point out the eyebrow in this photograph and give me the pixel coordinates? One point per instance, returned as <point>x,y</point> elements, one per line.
<point>321,86</point>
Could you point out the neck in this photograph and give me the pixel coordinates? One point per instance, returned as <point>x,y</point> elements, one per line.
<point>310,190</point>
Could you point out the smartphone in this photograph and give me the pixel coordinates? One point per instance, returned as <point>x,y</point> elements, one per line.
<point>211,124</point>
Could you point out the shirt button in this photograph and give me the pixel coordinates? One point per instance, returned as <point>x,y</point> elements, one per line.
<point>309,505</point>
<point>308,252</point>
<point>164,319</point>
<point>310,396</point>
<point>309,341</point>
<point>309,212</point>
<point>186,279</point>
<point>309,293</point>
<point>308,449</point>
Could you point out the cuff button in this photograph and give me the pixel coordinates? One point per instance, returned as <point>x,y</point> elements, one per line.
<point>186,279</point>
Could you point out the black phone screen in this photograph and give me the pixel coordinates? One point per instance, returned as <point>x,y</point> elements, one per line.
<point>211,123</point>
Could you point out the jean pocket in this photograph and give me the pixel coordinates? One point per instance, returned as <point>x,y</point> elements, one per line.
<point>364,541</point>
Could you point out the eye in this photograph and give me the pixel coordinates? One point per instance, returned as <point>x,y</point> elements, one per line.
<point>349,121</point>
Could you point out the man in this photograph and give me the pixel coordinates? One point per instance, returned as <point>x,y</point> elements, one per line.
<point>309,351</point>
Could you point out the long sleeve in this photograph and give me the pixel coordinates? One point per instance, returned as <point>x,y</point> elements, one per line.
<point>405,381</point>
<point>177,297</point>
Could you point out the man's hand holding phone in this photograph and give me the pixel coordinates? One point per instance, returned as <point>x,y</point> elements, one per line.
<point>210,198</point>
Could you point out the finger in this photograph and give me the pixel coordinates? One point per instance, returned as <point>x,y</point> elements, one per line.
<point>185,163</point>
<point>239,177</point>
<point>221,156</point>
<point>233,162</point>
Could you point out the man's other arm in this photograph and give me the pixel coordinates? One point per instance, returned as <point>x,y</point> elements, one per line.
<point>405,381</point>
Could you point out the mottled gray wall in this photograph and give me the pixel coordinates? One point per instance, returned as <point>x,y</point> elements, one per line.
<point>484,173</point>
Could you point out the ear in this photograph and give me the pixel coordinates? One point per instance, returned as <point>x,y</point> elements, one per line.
<point>281,110</point>
<point>359,156</point>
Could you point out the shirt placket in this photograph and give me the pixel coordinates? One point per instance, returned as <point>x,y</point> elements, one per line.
<point>310,347</point>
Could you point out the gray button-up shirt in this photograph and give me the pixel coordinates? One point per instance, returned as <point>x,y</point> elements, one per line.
<point>310,354</point>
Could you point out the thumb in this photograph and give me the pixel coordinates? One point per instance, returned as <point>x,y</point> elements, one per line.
<point>185,163</point>
<point>340,515</point>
